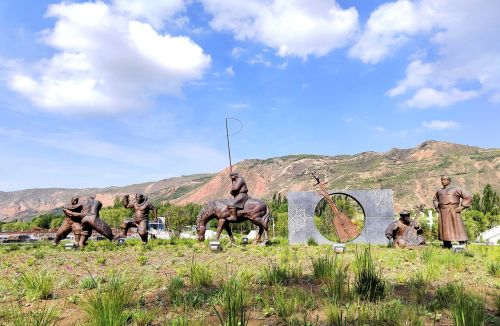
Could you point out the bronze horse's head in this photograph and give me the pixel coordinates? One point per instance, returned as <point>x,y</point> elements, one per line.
<point>200,229</point>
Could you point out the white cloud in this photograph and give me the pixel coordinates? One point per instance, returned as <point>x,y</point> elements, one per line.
<point>238,105</point>
<point>291,27</point>
<point>153,12</point>
<point>429,97</point>
<point>237,52</point>
<point>439,124</point>
<point>380,129</point>
<point>390,26</point>
<point>106,61</point>
<point>465,33</point>
<point>229,71</point>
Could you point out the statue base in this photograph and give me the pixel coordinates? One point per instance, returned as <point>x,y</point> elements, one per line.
<point>70,246</point>
<point>339,248</point>
<point>458,248</point>
<point>215,246</point>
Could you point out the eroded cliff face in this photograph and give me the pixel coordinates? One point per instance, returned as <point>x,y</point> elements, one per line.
<point>26,204</point>
<point>412,173</point>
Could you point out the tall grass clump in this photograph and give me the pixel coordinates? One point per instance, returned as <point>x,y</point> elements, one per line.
<point>275,274</point>
<point>325,266</point>
<point>334,274</point>
<point>37,316</point>
<point>143,317</point>
<point>285,304</point>
<point>392,312</point>
<point>468,310</point>
<point>233,304</point>
<point>289,303</point>
<point>418,286</point>
<point>368,282</point>
<point>34,286</point>
<point>494,268</point>
<point>336,316</point>
<point>107,307</point>
<point>174,290</point>
<point>200,275</point>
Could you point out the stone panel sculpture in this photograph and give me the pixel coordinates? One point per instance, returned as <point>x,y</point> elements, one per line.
<point>377,206</point>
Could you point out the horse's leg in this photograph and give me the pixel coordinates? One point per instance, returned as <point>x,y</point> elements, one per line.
<point>220,224</point>
<point>229,232</point>
<point>259,234</point>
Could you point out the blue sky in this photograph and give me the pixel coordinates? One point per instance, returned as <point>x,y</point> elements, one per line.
<point>95,94</point>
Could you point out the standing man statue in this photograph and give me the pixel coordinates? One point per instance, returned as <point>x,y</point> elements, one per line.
<point>239,191</point>
<point>449,202</point>
<point>87,213</point>
<point>141,207</point>
<point>69,225</point>
<point>405,232</point>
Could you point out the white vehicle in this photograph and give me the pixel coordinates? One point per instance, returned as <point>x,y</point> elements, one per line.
<point>157,229</point>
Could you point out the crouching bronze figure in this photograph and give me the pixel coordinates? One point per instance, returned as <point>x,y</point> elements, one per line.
<point>405,232</point>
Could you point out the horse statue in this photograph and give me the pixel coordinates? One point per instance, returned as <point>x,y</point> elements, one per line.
<point>255,211</point>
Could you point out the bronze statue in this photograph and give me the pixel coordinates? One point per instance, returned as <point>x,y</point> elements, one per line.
<point>142,207</point>
<point>239,191</point>
<point>449,202</point>
<point>254,210</point>
<point>405,232</point>
<point>69,225</point>
<point>87,213</point>
<point>346,230</point>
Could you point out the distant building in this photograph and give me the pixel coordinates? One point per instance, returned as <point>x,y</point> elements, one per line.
<point>491,236</point>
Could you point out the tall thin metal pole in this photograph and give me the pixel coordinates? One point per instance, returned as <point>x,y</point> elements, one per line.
<point>229,149</point>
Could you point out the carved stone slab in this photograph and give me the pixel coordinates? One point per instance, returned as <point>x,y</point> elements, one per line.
<point>377,205</point>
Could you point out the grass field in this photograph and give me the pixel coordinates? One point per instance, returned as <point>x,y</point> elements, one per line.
<point>183,283</point>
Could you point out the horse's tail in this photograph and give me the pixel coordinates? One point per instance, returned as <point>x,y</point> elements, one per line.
<point>265,218</point>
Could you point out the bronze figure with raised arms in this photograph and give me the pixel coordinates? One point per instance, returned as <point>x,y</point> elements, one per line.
<point>142,207</point>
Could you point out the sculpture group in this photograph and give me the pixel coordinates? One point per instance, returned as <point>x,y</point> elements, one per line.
<point>82,217</point>
<point>449,202</point>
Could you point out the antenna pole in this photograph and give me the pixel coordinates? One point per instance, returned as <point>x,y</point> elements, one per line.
<point>228,148</point>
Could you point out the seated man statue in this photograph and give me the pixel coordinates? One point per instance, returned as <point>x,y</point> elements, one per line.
<point>68,224</point>
<point>239,191</point>
<point>405,232</point>
<point>142,206</point>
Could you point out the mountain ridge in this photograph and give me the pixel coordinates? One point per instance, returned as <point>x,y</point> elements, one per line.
<point>413,174</point>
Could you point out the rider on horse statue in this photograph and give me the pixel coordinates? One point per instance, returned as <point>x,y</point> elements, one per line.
<point>239,190</point>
